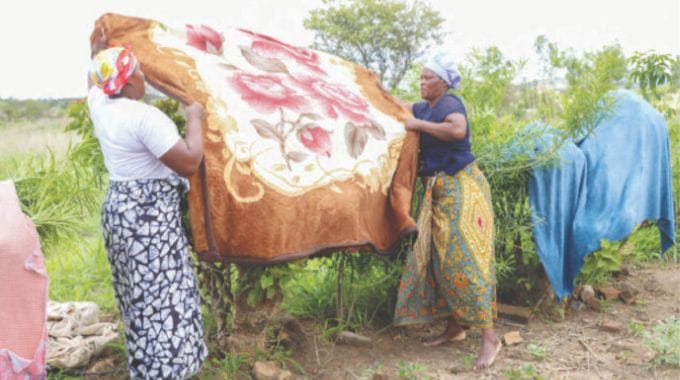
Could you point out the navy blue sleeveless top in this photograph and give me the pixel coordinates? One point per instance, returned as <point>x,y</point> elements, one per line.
<point>437,155</point>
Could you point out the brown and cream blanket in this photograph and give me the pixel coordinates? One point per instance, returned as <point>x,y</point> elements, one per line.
<point>304,152</point>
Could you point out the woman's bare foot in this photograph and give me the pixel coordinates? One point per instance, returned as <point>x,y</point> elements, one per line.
<point>453,333</point>
<point>491,345</point>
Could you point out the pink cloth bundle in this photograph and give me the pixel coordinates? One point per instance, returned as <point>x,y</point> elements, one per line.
<point>23,292</point>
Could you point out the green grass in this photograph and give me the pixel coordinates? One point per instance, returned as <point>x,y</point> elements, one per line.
<point>32,153</point>
<point>368,289</point>
<point>636,328</point>
<point>674,133</point>
<point>411,371</point>
<point>228,367</point>
<point>664,339</point>
<point>526,372</point>
<point>29,138</point>
<point>468,361</point>
<point>79,271</point>
<point>312,292</point>
<point>537,351</point>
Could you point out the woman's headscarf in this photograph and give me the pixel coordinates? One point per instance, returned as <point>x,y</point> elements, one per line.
<point>445,67</point>
<point>112,68</point>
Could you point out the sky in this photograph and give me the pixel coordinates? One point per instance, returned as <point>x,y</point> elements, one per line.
<point>45,44</point>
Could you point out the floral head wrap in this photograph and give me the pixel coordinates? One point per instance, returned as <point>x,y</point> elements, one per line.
<point>112,68</point>
<point>444,66</point>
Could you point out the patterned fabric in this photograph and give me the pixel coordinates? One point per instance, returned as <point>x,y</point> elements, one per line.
<point>284,125</point>
<point>111,68</point>
<point>460,280</point>
<point>153,279</point>
<point>422,247</point>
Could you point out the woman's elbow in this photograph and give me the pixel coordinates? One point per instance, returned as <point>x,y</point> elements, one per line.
<point>458,132</point>
<point>182,161</point>
<point>453,135</point>
<point>185,172</point>
<point>189,167</point>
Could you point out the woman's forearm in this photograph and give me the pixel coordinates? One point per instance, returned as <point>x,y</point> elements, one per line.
<point>442,131</point>
<point>194,140</point>
<point>185,157</point>
<point>446,131</point>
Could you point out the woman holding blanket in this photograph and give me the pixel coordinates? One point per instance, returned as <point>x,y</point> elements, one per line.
<point>147,161</point>
<point>450,273</point>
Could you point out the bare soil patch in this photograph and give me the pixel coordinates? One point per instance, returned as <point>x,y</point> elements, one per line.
<point>578,346</point>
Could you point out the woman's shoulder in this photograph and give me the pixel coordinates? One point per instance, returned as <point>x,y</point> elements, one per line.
<point>419,106</point>
<point>95,97</point>
<point>452,103</point>
<point>141,111</point>
<point>452,99</point>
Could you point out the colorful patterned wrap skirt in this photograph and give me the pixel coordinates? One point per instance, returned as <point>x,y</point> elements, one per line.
<point>153,279</point>
<point>458,279</point>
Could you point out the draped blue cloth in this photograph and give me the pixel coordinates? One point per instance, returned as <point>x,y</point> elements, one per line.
<point>601,188</point>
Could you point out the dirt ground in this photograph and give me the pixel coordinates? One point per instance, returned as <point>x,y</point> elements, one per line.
<point>575,347</point>
<point>572,346</point>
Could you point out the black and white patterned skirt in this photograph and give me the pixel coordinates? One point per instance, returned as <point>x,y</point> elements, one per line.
<point>154,281</point>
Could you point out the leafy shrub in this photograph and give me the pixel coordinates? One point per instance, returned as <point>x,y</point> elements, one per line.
<point>664,339</point>
<point>57,195</point>
<point>353,289</point>
<point>650,70</point>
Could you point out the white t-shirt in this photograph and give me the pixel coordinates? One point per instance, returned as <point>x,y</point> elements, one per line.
<point>132,135</point>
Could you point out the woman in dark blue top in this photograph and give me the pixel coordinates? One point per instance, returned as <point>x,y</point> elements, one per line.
<point>450,273</point>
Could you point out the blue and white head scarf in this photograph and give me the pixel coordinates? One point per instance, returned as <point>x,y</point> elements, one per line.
<point>445,67</point>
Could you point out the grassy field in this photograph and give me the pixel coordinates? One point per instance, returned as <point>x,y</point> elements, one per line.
<point>78,267</point>
<point>20,138</point>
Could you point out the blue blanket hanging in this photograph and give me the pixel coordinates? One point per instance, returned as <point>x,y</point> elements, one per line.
<point>601,188</point>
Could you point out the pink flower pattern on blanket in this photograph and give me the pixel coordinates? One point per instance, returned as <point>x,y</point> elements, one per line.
<point>204,38</point>
<point>315,139</point>
<point>280,89</point>
<point>274,49</point>
<point>266,92</point>
<point>313,117</point>
<point>335,99</point>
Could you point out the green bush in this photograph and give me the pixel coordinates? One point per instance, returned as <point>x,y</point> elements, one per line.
<point>664,339</point>
<point>354,290</point>
<point>47,189</point>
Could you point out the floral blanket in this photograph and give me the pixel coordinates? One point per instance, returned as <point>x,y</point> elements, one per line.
<point>304,152</point>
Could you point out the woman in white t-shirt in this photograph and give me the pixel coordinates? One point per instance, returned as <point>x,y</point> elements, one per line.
<point>147,161</point>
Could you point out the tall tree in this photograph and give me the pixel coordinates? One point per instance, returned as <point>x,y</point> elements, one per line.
<point>386,36</point>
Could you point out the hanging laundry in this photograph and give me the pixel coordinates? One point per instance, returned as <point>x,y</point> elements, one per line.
<point>304,151</point>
